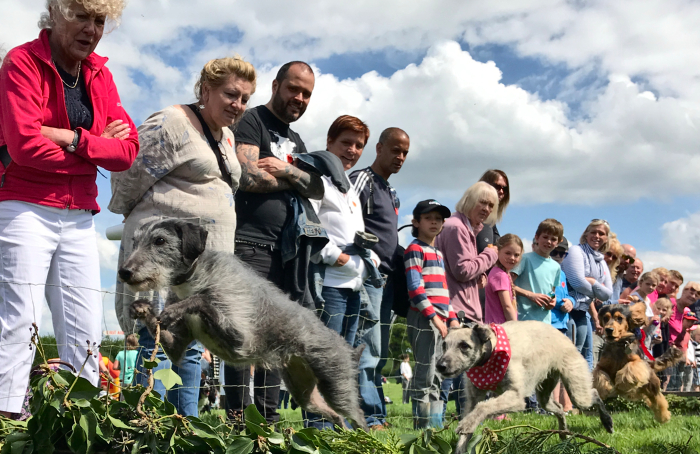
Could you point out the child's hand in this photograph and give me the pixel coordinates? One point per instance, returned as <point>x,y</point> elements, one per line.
<point>482,281</point>
<point>540,299</point>
<point>591,280</point>
<point>551,304</point>
<point>567,306</point>
<point>440,325</point>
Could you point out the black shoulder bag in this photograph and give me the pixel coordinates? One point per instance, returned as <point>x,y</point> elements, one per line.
<point>224,165</point>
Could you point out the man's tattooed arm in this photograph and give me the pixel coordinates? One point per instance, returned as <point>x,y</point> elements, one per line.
<point>271,174</point>
<point>308,185</point>
<point>254,179</point>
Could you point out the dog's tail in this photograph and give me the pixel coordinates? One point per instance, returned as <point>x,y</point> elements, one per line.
<point>668,359</point>
<point>577,381</point>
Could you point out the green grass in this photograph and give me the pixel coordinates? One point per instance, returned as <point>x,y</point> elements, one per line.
<point>636,432</point>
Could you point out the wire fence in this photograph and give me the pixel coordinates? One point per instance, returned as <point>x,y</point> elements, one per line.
<point>206,387</point>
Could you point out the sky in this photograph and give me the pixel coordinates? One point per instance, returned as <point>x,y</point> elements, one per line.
<point>592,108</point>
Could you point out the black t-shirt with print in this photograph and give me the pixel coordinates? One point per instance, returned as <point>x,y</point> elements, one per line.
<point>262,216</point>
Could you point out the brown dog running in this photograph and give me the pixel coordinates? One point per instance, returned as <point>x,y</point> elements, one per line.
<point>622,369</point>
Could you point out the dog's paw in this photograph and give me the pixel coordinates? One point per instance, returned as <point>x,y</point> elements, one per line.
<point>140,309</point>
<point>462,443</point>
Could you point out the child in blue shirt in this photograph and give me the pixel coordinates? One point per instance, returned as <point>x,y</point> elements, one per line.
<point>537,276</point>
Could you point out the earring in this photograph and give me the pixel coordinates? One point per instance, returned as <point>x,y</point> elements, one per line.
<point>201,106</point>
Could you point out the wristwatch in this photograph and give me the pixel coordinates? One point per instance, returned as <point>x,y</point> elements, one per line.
<point>74,144</point>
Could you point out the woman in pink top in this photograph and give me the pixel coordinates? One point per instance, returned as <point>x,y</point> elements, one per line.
<point>457,241</point>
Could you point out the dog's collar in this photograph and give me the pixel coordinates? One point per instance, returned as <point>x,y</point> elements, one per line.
<point>182,278</point>
<point>486,355</point>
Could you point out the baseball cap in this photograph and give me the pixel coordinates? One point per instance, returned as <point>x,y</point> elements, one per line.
<point>690,316</point>
<point>426,206</point>
<point>563,245</point>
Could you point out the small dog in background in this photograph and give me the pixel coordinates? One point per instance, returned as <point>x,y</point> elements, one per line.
<point>240,317</point>
<point>539,356</point>
<point>622,368</point>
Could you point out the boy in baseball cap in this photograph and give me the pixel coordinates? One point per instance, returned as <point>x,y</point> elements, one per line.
<point>431,312</point>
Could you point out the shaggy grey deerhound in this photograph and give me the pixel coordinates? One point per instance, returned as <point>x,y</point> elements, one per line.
<point>241,317</point>
<point>540,356</point>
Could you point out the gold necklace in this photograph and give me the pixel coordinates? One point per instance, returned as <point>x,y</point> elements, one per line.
<point>76,79</point>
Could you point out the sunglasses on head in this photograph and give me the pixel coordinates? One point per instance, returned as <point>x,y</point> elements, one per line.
<point>558,253</point>
<point>499,187</point>
<point>603,221</point>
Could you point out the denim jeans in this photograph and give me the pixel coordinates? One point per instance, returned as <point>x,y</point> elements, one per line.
<point>341,311</point>
<point>186,396</point>
<point>376,338</point>
<point>583,337</point>
<point>451,389</point>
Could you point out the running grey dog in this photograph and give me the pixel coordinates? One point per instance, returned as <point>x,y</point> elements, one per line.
<point>540,356</point>
<point>240,317</point>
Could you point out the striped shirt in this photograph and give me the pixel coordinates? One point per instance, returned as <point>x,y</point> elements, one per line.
<point>427,287</point>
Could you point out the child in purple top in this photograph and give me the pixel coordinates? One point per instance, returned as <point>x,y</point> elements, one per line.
<point>500,305</point>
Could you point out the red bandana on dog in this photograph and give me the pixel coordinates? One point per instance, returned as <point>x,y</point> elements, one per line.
<point>488,376</point>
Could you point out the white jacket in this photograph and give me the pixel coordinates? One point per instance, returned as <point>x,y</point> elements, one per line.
<point>341,216</point>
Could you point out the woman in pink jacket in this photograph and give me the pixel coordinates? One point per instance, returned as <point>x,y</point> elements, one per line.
<point>464,266</point>
<point>60,119</point>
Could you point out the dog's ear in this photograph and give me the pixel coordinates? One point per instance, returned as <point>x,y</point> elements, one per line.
<point>637,317</point>
<point>483,332</point>
<point>601,312</point>
<point>193,240</point>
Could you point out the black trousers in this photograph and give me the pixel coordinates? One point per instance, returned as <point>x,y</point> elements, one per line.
<point>266,383</point>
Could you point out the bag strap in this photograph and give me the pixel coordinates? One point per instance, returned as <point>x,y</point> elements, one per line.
<point>5,158</point>
<point>220,159</point>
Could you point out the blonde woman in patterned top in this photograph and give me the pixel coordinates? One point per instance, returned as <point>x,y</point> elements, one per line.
<point>181,173</point>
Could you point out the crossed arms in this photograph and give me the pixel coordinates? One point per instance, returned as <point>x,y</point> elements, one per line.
<point>272,175</point>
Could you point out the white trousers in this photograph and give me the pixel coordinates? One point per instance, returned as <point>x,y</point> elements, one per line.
<point>53,253</point>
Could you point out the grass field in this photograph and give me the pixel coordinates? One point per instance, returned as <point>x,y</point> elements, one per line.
<point>635,432</point>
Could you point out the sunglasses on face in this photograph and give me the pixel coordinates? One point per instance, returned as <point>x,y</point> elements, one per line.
<point>611,255</point>
<point>498,187</point>
<point>628,258</point>
<point>558,253</point>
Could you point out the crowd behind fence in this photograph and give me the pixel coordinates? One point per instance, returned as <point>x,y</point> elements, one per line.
<point>211,390</point>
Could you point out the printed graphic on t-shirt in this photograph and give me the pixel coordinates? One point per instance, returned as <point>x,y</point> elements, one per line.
<point>282,147</point>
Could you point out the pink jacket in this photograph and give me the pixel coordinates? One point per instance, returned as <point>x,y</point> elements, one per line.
<point>463,266</point>
<point>41,172</point>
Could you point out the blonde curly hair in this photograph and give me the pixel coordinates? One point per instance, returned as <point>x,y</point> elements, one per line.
<point>216,72</point>
<point>112,9</point>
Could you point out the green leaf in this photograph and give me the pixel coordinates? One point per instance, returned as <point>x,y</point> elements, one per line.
<point>168,377</point>
<point>77,441</point>
<point>299,443</point>
<point>150,364</point>
<point>406,440</point>
<point>253,415</point>
<point>15,442</point>
<point>241,446</point>
<point>83,389</point>
<point>471,446</point>
<point>441,445</point>
<point>88,422</point>
<point>118,423</point>
<point>63,378</point>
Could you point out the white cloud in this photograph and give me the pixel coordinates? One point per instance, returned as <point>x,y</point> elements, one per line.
<point>681,241</point>
<point>108,251</point>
